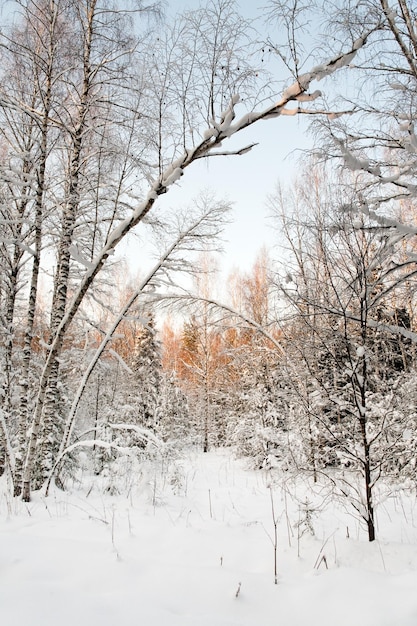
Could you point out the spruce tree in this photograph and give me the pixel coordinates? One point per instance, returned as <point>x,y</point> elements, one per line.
<point>145,380</point>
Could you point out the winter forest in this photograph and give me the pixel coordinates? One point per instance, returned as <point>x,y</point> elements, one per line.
<point>302,369</point>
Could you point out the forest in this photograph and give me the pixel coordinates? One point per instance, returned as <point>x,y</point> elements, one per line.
<point>306,364</point>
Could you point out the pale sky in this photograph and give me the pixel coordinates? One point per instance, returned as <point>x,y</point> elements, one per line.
<point>246,180</point>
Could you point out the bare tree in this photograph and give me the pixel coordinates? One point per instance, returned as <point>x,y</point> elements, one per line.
<point>341,292</point>
<point>30,60</point>
<point>377,141</point>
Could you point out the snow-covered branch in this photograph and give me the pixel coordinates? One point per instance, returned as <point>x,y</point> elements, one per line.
<point>213,137</point>
<point>202,226</point>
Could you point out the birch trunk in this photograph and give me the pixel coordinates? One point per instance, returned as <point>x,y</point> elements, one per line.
<point>49,441</point>
<point>37,248</point>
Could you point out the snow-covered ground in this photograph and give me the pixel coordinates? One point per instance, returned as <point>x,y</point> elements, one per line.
<point>200,553</point>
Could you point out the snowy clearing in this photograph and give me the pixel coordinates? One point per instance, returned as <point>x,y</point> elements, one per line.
<point>200,552</point>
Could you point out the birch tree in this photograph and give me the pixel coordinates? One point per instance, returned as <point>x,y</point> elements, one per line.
<point>29,60</point>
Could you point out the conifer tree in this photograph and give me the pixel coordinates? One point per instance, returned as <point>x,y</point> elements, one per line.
<point>175,425</point>
<point>146,375</point>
